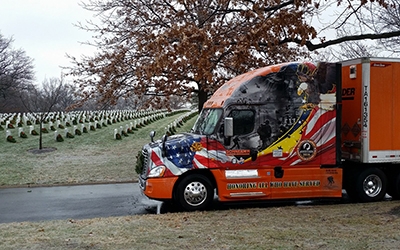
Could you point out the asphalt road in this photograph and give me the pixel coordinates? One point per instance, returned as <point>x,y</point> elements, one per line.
<point>83,202</point>
<point>71,202</point>
<point>94,201</point>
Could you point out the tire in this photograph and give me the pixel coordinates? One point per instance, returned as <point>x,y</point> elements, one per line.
<point>194,192</point>
<point>371,185</point>
<point>394,187</point>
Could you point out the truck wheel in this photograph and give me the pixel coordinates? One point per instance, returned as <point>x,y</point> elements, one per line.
<point>194,192</point>
<point>394,187</point>
<point>371,185</point>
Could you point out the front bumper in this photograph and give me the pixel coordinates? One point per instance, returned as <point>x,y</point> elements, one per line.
<point>158,188</point>
<point>149,204</point>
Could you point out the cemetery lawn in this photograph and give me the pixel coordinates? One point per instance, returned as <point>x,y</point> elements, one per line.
<point>93,157</point>
<point>324,226</point>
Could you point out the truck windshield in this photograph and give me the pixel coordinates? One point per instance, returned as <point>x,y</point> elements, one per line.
<point>207,121</point>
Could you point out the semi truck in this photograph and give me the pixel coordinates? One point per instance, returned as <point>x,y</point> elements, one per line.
<point>291,131</point>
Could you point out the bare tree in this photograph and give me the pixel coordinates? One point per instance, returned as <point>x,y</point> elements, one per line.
<point>58,94</point>
<point>370,20</point>
<point>55,95</point>
<point>348,50</point>
<point>167,48</point>
<point>16,74</point>
<point>389,20</point>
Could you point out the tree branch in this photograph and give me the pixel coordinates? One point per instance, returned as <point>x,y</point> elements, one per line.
<point>311,47</point>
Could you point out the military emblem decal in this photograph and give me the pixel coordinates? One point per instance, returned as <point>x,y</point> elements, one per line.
<point>307,150</point>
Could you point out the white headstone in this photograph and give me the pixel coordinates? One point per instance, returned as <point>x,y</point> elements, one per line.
<point>19,131</point>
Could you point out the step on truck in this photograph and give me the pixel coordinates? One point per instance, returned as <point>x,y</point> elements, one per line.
<point>295,130</point>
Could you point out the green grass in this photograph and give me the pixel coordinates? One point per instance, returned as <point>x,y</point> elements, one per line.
<point>340,226</point>
<point>93,157</point>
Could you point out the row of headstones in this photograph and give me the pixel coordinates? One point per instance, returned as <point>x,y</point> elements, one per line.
<point>83,128</point>
<point>124,132</point>
<point>66,123</point>
<point>22,134</point>
<point>118,133</point>
<point>171,129</point>
<point>74,117</point>
<point>85,114</point>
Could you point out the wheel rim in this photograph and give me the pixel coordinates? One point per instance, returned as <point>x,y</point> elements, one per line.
<point>372,185</point>
<point>195,193</point>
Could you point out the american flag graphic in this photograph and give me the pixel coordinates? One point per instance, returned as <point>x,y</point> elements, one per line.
<point>188,151</point>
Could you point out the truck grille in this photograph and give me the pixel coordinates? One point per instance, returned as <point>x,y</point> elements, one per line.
<point>145,166</point>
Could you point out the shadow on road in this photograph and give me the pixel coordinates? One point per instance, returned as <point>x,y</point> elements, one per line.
<point>165,207</point>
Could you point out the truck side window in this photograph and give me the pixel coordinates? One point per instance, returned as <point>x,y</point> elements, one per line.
<point>243,121</point>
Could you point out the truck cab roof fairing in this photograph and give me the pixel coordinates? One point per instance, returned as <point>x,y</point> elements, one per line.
<point>225,92</point>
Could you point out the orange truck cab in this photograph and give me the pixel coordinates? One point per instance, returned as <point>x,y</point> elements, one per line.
<point>287,131</point>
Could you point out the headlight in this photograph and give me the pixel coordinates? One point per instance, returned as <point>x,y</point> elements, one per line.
<point>157,171</point>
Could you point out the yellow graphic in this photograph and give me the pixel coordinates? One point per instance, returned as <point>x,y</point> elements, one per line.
<point>196,146</point>
<point>287,144</point>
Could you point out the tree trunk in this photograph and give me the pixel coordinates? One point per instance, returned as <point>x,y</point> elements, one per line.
<point>40,132</point>
<point>202,99</point>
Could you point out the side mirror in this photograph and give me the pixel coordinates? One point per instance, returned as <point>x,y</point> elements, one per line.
<point>152,135</point>
<point>228,127</point>
<point>163,150</point>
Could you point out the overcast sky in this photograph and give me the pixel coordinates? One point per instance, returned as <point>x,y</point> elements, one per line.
<point>45,30</point>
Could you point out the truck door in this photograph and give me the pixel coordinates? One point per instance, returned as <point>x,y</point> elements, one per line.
<point>243,179</point>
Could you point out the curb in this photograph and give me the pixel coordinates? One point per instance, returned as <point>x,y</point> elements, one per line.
<point>66,184</point>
